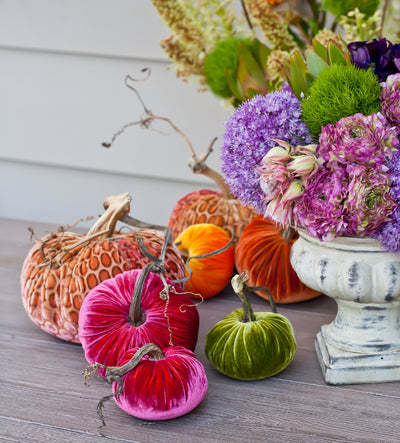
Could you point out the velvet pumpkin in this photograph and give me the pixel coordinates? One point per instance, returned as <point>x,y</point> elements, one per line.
<point>210,275</point>
<point>118,315</point>
<point>155,384</point>
<point>263,250</point>
<point>63,267</point>
<point>250,346</point>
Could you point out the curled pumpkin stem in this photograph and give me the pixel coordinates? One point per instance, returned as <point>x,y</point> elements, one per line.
<point>197,164</point>
<point>209,254</point>
<point>240,287</point>
<point>114,373</point>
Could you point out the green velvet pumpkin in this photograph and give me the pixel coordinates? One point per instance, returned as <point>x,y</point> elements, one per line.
<point>250,346</point>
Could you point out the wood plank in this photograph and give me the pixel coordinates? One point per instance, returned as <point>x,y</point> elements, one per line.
<point>274,407</point>
<point>43,398</point>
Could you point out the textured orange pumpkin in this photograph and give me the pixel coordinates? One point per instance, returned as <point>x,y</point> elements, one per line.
<point>263,251</point>
<point>62,268</point>
<point>212,274</point>
<point>210,207</point>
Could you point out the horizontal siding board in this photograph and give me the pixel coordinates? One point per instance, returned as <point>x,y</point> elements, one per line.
<point>119,27</point>
<point>63,195</point>
<point>58,109</point>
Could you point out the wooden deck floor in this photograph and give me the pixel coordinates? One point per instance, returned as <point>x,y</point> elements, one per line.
<point>43,398</point>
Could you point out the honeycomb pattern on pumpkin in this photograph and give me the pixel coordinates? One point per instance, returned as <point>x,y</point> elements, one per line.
<point>52,295</point>
<point>211,208</point>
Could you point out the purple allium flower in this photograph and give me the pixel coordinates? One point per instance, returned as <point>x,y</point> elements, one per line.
<point>365,139</point>
<point>381,55</point>
<point>348,199</point>
<point>389,233</point>
<point>390,99</point>
<point>249,136</point>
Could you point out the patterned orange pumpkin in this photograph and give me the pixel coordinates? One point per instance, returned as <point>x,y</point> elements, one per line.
<point>264,252</point>
<point>206,206</point>
<point>210,275</point>
<point>63,267</point>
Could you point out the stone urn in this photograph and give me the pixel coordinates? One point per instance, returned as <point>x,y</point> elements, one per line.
<point>362,344</point>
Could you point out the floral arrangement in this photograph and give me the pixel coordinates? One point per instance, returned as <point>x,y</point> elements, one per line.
<point>238,49</point>
<point>328,161</point>
<point>314,138</point>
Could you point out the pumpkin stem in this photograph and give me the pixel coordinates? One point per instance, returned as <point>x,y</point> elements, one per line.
<point>268,292</point>
<point>187,258</point>
<point>198,166</point>
<point>238,285</point>
<point>289,234</point>
<point>114,373</point>
<point>136,315</point>
<point>116,207</point>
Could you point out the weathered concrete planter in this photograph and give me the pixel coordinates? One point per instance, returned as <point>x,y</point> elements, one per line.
<point>362,344</point>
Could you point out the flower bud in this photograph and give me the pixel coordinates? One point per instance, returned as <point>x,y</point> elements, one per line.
<point>302,165</point>
<point>276,154</point>
<point>294,191</point>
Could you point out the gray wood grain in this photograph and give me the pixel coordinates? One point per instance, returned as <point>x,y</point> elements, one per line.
<point>43,397</point>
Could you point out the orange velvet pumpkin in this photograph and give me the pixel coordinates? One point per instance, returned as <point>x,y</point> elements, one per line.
<point>264,252</point>
<point>210,275</point>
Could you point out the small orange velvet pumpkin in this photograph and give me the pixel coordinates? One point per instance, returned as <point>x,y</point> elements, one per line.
<point>210,275</point>
<point>264,251</point>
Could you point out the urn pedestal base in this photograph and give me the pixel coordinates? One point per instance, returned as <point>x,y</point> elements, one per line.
<point>362,343</point>
<point>345,367</point>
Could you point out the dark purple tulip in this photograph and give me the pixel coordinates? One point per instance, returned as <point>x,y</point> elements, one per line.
<point>359,54</point>
<point>380,55</point>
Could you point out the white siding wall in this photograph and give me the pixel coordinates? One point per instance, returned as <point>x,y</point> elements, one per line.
<point>62,93</point>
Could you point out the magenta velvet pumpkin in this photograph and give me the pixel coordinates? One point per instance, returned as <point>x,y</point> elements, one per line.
<point>106,326</point>
<point>162,389</point>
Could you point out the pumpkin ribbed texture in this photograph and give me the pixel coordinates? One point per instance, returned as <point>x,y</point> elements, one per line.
<point>251,350</point>
<point>163,389</point>
<point>265,254</point>
<point>105,330</point>
<point>212,274</point>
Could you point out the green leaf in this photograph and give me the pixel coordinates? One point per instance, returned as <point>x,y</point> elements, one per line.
<point>300,61</point>
<point>315,63</point>
<point>320,49</point>
<point>297,81</point>
<point>249,72</point>
<point>336,56</point>
<point>234,85</point>
<point>263,54</point>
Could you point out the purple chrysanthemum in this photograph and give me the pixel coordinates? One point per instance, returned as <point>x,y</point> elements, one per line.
<point>249,136</point>
<point>350,199</point>
<point>320,209</point>
<point>368,204</point>
<point>369,140</point>
<point>390,100</point>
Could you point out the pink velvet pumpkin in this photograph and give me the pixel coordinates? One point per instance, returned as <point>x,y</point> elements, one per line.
<point>165,384</point>
<point>112,319</point>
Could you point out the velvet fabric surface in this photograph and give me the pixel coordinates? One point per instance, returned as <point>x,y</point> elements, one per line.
<point>163,389</point>
<point>251,350</point>
<point>265,255</point>
<point>106,331</point>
